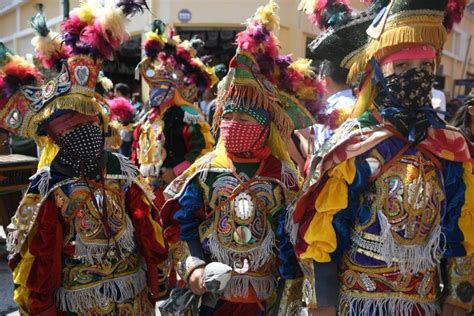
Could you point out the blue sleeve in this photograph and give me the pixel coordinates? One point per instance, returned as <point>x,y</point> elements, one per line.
<point>455,190</point>
<point>343,220</point>
<point>191,202</point>
<point>289,267</point>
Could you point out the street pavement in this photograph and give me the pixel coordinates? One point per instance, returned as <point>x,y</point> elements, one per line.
<point>7,306</point>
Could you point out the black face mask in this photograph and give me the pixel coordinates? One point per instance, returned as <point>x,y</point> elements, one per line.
<point>406,103</point>
<point>81,148</point>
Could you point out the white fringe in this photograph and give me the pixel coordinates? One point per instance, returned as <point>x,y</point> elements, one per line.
<point>12,238</point>
<point>290,226</point>
<point>151,169</point>
<point>129,170</point>
<point>43,183</point>
<point>239,285</point>
<point>96,253</point>
<point>203,169</point>
<point>288,175</point>
<point>257,257</point>
<point>362,306</point>
<point>192,118</point>
<point>118,290</point>
<point>414,258</point>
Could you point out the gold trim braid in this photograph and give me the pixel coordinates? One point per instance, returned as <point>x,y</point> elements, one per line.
<point>399,33</point>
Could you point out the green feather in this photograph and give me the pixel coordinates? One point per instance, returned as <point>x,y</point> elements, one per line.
<point>38,22</point>
<point>220,70</point>
<point>158,26</point>
<point>3,53</point>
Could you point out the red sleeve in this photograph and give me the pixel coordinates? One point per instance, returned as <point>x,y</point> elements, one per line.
<point>151,248</point>
<point>45,274</point>
<point>136,137</point>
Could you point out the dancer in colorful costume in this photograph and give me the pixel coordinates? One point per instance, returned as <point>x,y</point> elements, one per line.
<point>230,205</point>
<point>174,132</point>
<point>391,193</point>
<point>85,239</point>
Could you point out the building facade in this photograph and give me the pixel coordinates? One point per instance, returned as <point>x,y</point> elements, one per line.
<point>217,22</point>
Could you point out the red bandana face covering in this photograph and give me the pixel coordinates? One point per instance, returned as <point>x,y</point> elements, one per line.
<point>245,139</point>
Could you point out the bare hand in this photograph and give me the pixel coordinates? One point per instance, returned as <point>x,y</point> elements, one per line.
<point>168,175</point>
<point>451,310</point>
<point>322,311</point>
<point>196,283</point>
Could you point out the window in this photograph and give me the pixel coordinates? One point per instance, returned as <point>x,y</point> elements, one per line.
<point>459,40</point>
<point>7,5</point>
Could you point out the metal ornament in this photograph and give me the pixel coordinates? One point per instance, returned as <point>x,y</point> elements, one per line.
<point>243,205</point>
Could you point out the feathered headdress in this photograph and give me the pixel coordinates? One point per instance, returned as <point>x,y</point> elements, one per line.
<point>91,33</point>
<point>16,75</point>
<point>401,24</point>
<point>252,69</point>
<point>326,13</point>
<point>300,90</point>
<point>49,48</point>
<point>172,65</point>
<point>343,35</point>
<point>260,78</point>
<point>409,22</point>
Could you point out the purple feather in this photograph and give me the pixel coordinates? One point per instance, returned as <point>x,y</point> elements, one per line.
<point>284,60</point>
<point>265,63</point>
<point>206,59</point>
<point>259,33</point>
<point>132,7</point>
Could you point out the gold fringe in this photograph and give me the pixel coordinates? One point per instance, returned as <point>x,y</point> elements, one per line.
<point>72,101</point>
<point>392,40</point>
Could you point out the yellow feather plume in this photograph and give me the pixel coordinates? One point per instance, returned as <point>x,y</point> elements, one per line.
<point>106,83</point>
<point>113,22</point>
<point>85,12</point>
<point>305,93</point>
<point>47,46</point>
<point>307,6</point>
<point>303,66</point>
<point>155,37</point>
<point>267,16</point>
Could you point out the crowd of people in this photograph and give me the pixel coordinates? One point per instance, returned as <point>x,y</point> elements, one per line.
<point>260,188</point>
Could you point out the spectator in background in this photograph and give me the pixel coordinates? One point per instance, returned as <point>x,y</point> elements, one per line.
<point>122,119</point>
<point>122,90</point>
<point>438,100</point>
<point>206,100</point>
<point>452,107</point>
<point>122,96</point>
<point>339,99</point>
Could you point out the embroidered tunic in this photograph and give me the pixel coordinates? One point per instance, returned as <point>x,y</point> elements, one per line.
<point>385,214</point>
<point>63,258</point>
<point>236,220</point>
<point>172,137</point>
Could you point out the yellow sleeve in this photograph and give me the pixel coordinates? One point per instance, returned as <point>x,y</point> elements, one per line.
<point>320,235</point>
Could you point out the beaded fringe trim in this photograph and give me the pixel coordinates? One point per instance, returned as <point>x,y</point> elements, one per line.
<point>239,285</point>
<point>96,253</point>
<point>257,257</point>
<point>412,258</point>
<point>363,306</point>
<point>116,290</point>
